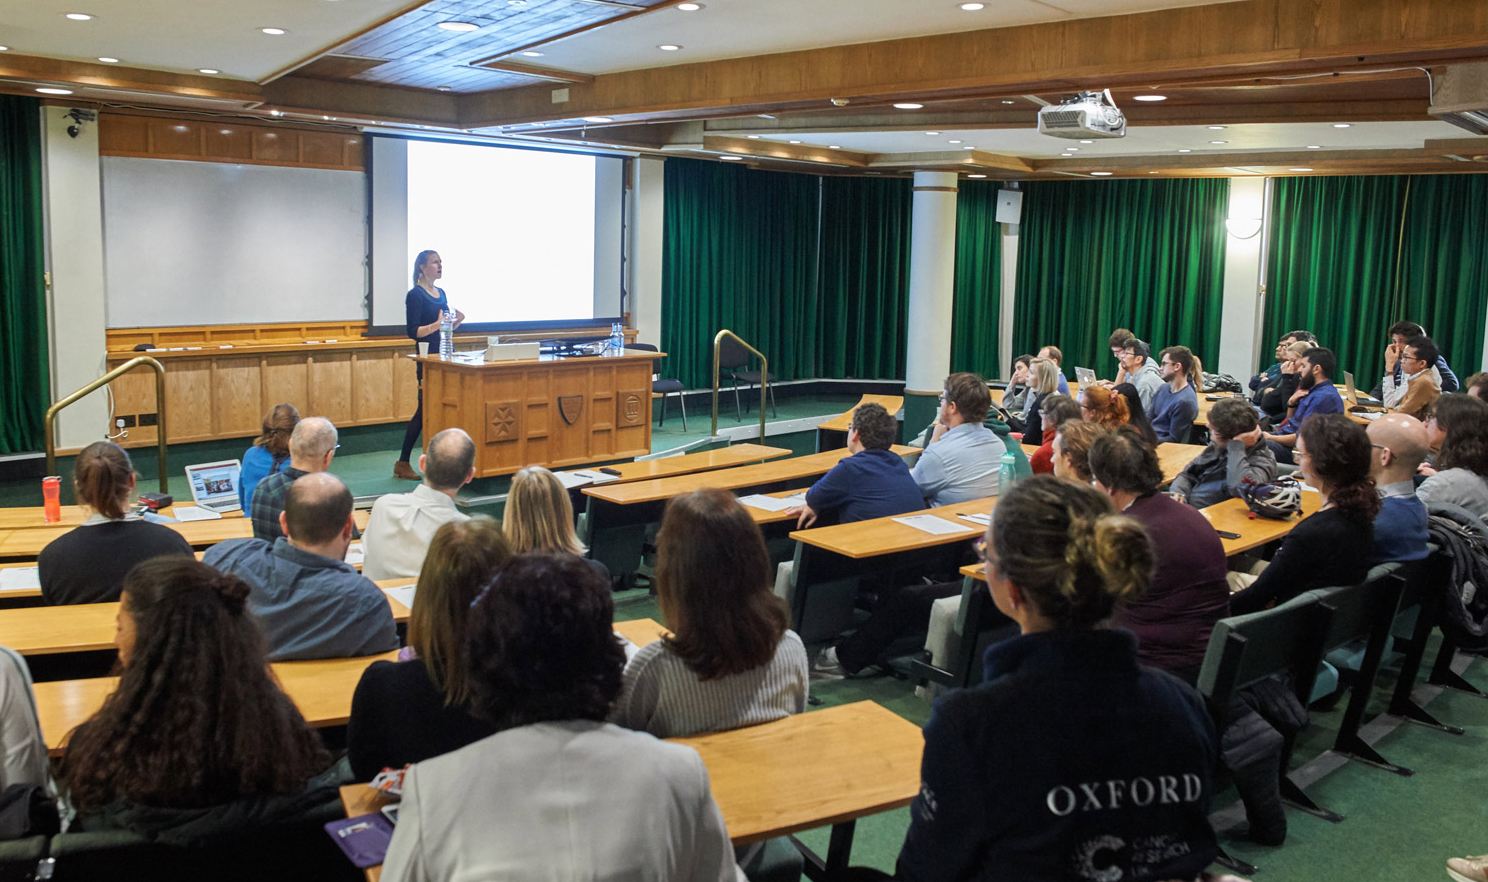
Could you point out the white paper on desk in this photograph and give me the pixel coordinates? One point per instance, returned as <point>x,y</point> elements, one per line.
<point>570,480</point>
<point>19,578</point>
<point>595,476</point>
<point>195,513</point>
<point>355,554</point>
<point>403,594</point>
<point>983,519</point>
<point>933,525</point>
<point>772,503</point>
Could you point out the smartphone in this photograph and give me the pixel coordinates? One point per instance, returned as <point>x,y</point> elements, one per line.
<point>1225,534</point>
<point>391,812</point>
<point>609,471</point>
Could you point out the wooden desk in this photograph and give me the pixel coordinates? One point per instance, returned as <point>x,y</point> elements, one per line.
<point>618,514</point>
<point>1172,456</point>
<point>86,627</point>
<point>833,432</point>
<point>829,766</point>
<point>320,689</point>
<point>25,517</point>
<point>641,632</point>
<point>831,561</point>
<point>200,534</point>
<point>1233,516</point>
<point>688,463</point>
<point>546,411</point>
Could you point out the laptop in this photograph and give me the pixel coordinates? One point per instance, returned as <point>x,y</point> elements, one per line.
<point>1084,376</point>
<point>1351,393</point>
<point>214,485</point>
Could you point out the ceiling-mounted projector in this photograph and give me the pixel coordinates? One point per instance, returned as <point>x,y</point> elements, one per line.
<point>1083,115</point>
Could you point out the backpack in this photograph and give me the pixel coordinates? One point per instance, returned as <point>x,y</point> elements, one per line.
<point>1463,538</point>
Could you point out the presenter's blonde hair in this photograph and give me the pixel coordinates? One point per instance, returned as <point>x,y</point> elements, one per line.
<point>1045,376</point>
<point>538,515</point>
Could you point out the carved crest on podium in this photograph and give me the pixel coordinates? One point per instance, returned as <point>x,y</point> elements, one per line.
<point>570,407</point>
<point>632,410</point>
<point>502,421</point>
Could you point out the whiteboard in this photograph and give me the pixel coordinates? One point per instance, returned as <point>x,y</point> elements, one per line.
<point>214,243</point>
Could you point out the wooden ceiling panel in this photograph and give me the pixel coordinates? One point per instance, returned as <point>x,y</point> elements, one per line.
<point>338,67</point>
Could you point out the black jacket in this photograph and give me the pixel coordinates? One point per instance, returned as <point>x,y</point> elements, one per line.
<point>1068,760</point>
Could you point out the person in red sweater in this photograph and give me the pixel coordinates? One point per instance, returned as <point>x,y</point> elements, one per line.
<point>1055,410</point>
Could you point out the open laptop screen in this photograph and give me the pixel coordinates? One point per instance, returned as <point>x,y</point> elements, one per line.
<point>215,484</point>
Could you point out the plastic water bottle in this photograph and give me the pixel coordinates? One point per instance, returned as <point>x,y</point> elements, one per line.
<point>446,335</point>
<point>1008,473</point>
<point>617,338</point>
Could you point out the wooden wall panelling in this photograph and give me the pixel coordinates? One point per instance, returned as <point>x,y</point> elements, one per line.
<point>170,136</point>
<point>599,440</point>
<point>124,134</point>
<point>374,395</point>
<point>134,395</point>
<point>284,379</point>
<point>540,412</point>
<point>237,395</point>
<point>175,139</point>
<point>405,385</point>
<point>330,386</point>
<point>232,142</point>
<point>188,400</point>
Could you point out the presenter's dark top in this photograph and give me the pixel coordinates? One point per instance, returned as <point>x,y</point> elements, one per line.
<point>87,565</point>
<point>423,309</point>
<point>398,717</point>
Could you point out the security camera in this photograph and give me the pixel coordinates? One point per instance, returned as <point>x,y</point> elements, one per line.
<point>839,102</point>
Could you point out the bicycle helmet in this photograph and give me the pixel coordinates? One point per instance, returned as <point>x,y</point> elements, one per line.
<point>1280,500</point>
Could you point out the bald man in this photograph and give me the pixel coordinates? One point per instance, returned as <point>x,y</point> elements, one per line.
<point>1400,444</point>
<point>309,602</point>
<point>312,446</point>
<point>403,524</point>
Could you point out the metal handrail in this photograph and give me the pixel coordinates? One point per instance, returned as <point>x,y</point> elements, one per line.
<point>764,377</point>
<point>126,367</point>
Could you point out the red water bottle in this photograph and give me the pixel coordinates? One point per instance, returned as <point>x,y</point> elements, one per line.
<point>51,497</point>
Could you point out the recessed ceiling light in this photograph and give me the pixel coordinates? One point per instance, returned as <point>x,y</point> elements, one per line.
<point>205,70</point>
<point>276,113</point>
<point>4,48</point>
<point>274,32</point>
<point>325,117</point>
<point>1073,149</point>
<point>1087,142</point>
<point>973,7</point>
<point>443,89</point>
<point>79,16</point>
<point>689,7</point>
<point>752,137</point>
<point>1101,174</point>
<point>1008,101</point>
<point>459,27</point>
<point>1150,97</point>
<point>47,90</point>
<point>834,147</point>
<point>668,47</point>
<point>795,142</point>
<point>106,60</point>
<point>1217,128</point>
<point>1299,169</point>
<point>1219,142</point>
<point>1341,125</point>
<point>968,148</point>
<point>1066,154</point>
<point>932,133</point>
<point>516,2</point>
<point>532,53</point>
<point>598,119</point>
<point>976,176</point>
<point>953,141</point>
<point>732,158</point>
<point>1314,146</point>
<point>1184,150</point>
<point>908,105</point>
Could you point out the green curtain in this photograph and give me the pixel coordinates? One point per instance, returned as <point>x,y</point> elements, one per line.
<point>864,293</point>
<point>25,387</point>
<point>977,306</point>
<point>1097,255</point>
<point>1331,264</point>
<point>1442,280</point>
<point>739,252</point>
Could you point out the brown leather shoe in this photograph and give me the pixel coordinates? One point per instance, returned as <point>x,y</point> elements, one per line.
<point>405,471</point>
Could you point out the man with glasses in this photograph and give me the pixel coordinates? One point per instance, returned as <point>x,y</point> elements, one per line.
<point>1138,368</point>
<point>962,456</point>
<point>312,446</point>
<point>1176,403</point>
<point>1412,389</point>
<point>1315,394</point>
<point>1401,334</point>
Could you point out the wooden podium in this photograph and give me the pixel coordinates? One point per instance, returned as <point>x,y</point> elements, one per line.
<point>549,411</point>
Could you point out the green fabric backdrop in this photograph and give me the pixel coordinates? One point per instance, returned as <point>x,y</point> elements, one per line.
<point>977,308</point>
<point>1097,255</point>
<point>25,388</point>
<point>748,251</point>
<point>1351,256</point>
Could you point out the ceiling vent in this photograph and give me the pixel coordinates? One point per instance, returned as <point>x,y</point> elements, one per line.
<point>1460,96</point>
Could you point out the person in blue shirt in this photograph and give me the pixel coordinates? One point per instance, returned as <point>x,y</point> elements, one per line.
<point>873,482</point>
<point>1315,394</point>
<point>1177,403</point>
<point>1053,354</point>
<point>1399,444</point>
<point>269,453</point>
<point>963,457</point>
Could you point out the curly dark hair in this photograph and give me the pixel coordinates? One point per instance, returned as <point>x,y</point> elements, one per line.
<point>876,427</point>
<point>197,720</point>
<point>1465,420</point>
<point>1341,455</point>
<point>713,583</point>
<point>541,643</point>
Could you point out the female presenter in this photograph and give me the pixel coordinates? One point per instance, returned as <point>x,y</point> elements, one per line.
<point>426,305</point>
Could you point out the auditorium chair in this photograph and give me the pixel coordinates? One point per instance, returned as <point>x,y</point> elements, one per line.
<point>664,388</point>
<point>733,358</point>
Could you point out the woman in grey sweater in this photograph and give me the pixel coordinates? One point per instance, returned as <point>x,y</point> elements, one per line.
<point>730,660</point>
<point>1460,473</point>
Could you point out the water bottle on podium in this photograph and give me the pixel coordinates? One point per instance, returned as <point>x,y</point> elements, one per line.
<point>617,338</point>
<point>446,334</point>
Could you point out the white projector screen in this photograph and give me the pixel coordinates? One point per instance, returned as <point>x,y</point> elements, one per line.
<point>527,237</point>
